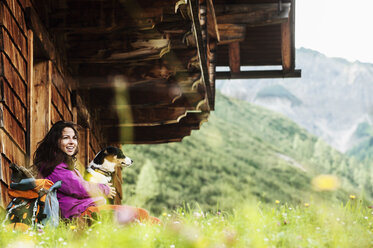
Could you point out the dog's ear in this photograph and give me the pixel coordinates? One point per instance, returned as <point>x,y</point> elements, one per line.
<point>115,151</point>
<point>99,159</point>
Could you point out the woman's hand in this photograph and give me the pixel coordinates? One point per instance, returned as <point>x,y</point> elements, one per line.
<point>112,192</point>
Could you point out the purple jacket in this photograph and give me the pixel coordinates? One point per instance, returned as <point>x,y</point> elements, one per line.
<point>76,194</point>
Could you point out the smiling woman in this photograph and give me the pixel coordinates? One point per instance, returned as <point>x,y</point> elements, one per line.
<point>55,160</point>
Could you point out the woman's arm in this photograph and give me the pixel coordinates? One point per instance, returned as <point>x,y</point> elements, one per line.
<point>74,185</point>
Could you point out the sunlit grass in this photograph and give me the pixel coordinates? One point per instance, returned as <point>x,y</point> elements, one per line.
<point>250,225</point>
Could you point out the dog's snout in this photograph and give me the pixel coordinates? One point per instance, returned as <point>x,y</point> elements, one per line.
<point>127,162</point>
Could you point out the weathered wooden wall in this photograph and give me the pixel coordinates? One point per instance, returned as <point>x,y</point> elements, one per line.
<point>35,92</point>
<point>13,90</point>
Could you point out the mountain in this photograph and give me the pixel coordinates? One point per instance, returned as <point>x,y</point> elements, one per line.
<point>331,99</point>
<point>243,151</point>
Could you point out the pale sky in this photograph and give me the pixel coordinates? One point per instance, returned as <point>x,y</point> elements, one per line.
<point>336,28</point>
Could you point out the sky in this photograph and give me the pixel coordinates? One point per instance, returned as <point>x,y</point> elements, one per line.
<point>336,28</point>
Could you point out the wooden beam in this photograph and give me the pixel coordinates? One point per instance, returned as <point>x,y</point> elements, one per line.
<point>252,14</point>
<point>212,24</point>
<point>231,33</point>
<point>40,33</point>
<point>77,19</point>
<point>145,116</point>
<point>30,96</point>
<point>259,74</point>
<point>202,53</point>
<point>40,108</point>
<point>129,135</point>
<point>234,57</point>
<point>159,95</point>
<point>90,75</point>
<point>286,43</point>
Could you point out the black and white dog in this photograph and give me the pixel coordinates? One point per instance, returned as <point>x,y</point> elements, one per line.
<point>102,167</point>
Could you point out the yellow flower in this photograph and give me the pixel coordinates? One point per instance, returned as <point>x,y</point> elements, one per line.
<point>325,183</point>
<point>306,205</point>
<point>72,227</point>
<point>352,197</point>
<point>164,214</point>
<point>277,202</point>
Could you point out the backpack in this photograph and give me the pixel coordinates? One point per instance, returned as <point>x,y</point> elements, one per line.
<point>34,204</point>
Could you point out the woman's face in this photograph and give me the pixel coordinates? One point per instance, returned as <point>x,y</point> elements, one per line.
<point>68,142</point>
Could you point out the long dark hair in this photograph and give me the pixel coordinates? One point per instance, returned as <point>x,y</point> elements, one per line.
<point>48,155</point>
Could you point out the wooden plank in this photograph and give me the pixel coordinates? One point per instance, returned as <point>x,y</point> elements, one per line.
<point>202,53</point>
<point>259,74</point>
<point>146,116</point>
<point>14,54</point>
<point>139,134</point>
<point>252,14</point>
<point>11,150</point>
<point>74,19</point>
<point>17,34</point>
<point>231,33</point>
<point>212,24</point>
<point>40,103</point>
<point>160,95</point>
<point>4,196</point>
<point>13,127</point>
<point>234,57</point>
<point>16,8</point>
<point>117,183</point>
<point>4,169</point>
<point>62,86</point>
<point>34,23</point>
<point>286,47</point>
<point>83,146</point>
<point>93,141</point>
<point>30,96</point>
<point>15,106</point>
<point>55,115</point>
<point>60,104</point>
<point>13,78</point>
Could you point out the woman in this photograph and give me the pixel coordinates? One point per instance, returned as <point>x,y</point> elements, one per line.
<point>55,160</point>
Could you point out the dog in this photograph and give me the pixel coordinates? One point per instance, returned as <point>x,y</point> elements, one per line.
<point>102,167</point>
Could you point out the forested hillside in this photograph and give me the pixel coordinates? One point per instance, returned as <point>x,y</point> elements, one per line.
<point>243,151</point>
<point>331,99</point>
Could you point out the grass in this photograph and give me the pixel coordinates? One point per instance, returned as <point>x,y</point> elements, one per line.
<point>250,225</point>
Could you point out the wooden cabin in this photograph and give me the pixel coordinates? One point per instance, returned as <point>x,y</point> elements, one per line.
<point>127,71</point>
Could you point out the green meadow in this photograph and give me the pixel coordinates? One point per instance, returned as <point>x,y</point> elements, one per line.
<point>250,225</point>
<point>248,178</point>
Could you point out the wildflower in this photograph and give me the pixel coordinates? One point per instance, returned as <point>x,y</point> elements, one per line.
<point>352,197</point>
<point>172,246</point>
<point>306,205</point>
<point>277,202</point>
<point>60,239</point>
<point>197,215</point>
<point>366,217</point>
<point>164,214</point>
<point>325,183</point>
<point>72,227</point>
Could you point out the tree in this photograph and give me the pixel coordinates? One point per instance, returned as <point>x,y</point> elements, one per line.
<point>147,187</point>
